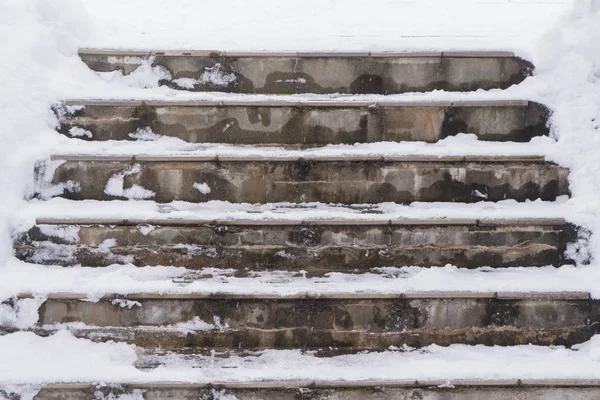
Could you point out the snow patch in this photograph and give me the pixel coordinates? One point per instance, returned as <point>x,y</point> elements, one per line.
<point>212,76</point>
<point>114,186</point>
<point>124,303</point>
<point>20,313</point>
<point>202,187</point>
<point>144,76</point>
<point>146,229</point>
<point>80,132</point>
<point>68,233</point>
<point>144,134</point>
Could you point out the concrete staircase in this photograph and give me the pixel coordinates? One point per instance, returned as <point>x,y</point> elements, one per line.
<point>331,323</point>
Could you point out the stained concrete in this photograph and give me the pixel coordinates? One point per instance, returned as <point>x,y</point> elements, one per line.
<point>289,73</point>
<point>313,392</point>
<point>316,247</point>
<point>352,322</point>
<point>305,124</point>
<point>344,180</point>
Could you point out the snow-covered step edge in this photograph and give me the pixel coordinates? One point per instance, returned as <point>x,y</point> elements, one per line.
<point>145,210</point>
<point>359,295</point>
<point>28,358</point>
<point>94,283</point>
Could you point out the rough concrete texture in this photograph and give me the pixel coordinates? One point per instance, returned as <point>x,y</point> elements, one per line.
<point>322,73</point>
<point>343,180</point>
<point>278,123</point>
<point>315,248</point>
<point>370,323</point>
<point>310,392</point>
<point>328,342</point>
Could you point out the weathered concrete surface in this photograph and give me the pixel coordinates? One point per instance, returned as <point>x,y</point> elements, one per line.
<point>371,393</point>
<point>289,73</point>
<point>329,341</point>
<point>344,180</point>
<point>317,247</point>
<point>304,124</point>
<point>353,322</point>
<point>286,390</point>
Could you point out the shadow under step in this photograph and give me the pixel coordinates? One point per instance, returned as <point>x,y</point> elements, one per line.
<point>294,72</point>
<point>343,180</point>
<point>304,124</point>
<point>317,247</point>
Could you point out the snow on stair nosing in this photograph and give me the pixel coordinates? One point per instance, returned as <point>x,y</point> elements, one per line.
<point>219,53</point>
<point>261,101</point>
<point>337,221</point>
<point>308,157</point>
<point>558,295</point>
<point>389,383</point>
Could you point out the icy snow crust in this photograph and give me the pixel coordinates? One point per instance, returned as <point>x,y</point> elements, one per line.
<point>41,68</point>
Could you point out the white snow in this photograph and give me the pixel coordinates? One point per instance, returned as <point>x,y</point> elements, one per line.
<point>41,68</point>
<point>79,360</point>
<point>202,187</point>
<point>144,134</point>
<point>114,186</point>
<point>80,132</point>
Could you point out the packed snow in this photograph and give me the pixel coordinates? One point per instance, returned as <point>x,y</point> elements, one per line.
<point>41,69</point>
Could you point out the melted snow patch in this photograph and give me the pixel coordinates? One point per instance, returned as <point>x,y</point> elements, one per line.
<point>202,187</point>
<point>114,186</point>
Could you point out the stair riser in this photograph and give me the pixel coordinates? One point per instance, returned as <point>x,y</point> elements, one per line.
<point>308,126</point>
<point>341,315</point>
<point>356,75</point>
<point>334,340</point>
<point>314,249</point>
<point>341,182</point>
<point>369,393</point>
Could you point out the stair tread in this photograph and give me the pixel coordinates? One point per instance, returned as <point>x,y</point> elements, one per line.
<point>29,280</point>
<point>436,366</point>
<point>119,210</point>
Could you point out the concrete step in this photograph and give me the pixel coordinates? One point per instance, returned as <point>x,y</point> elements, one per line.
<point>356,321</point>
<point>343,180</point>
<point>293,72</point>
<point>314,246</point>
<point>307,123</point>
<point>510,389</point>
